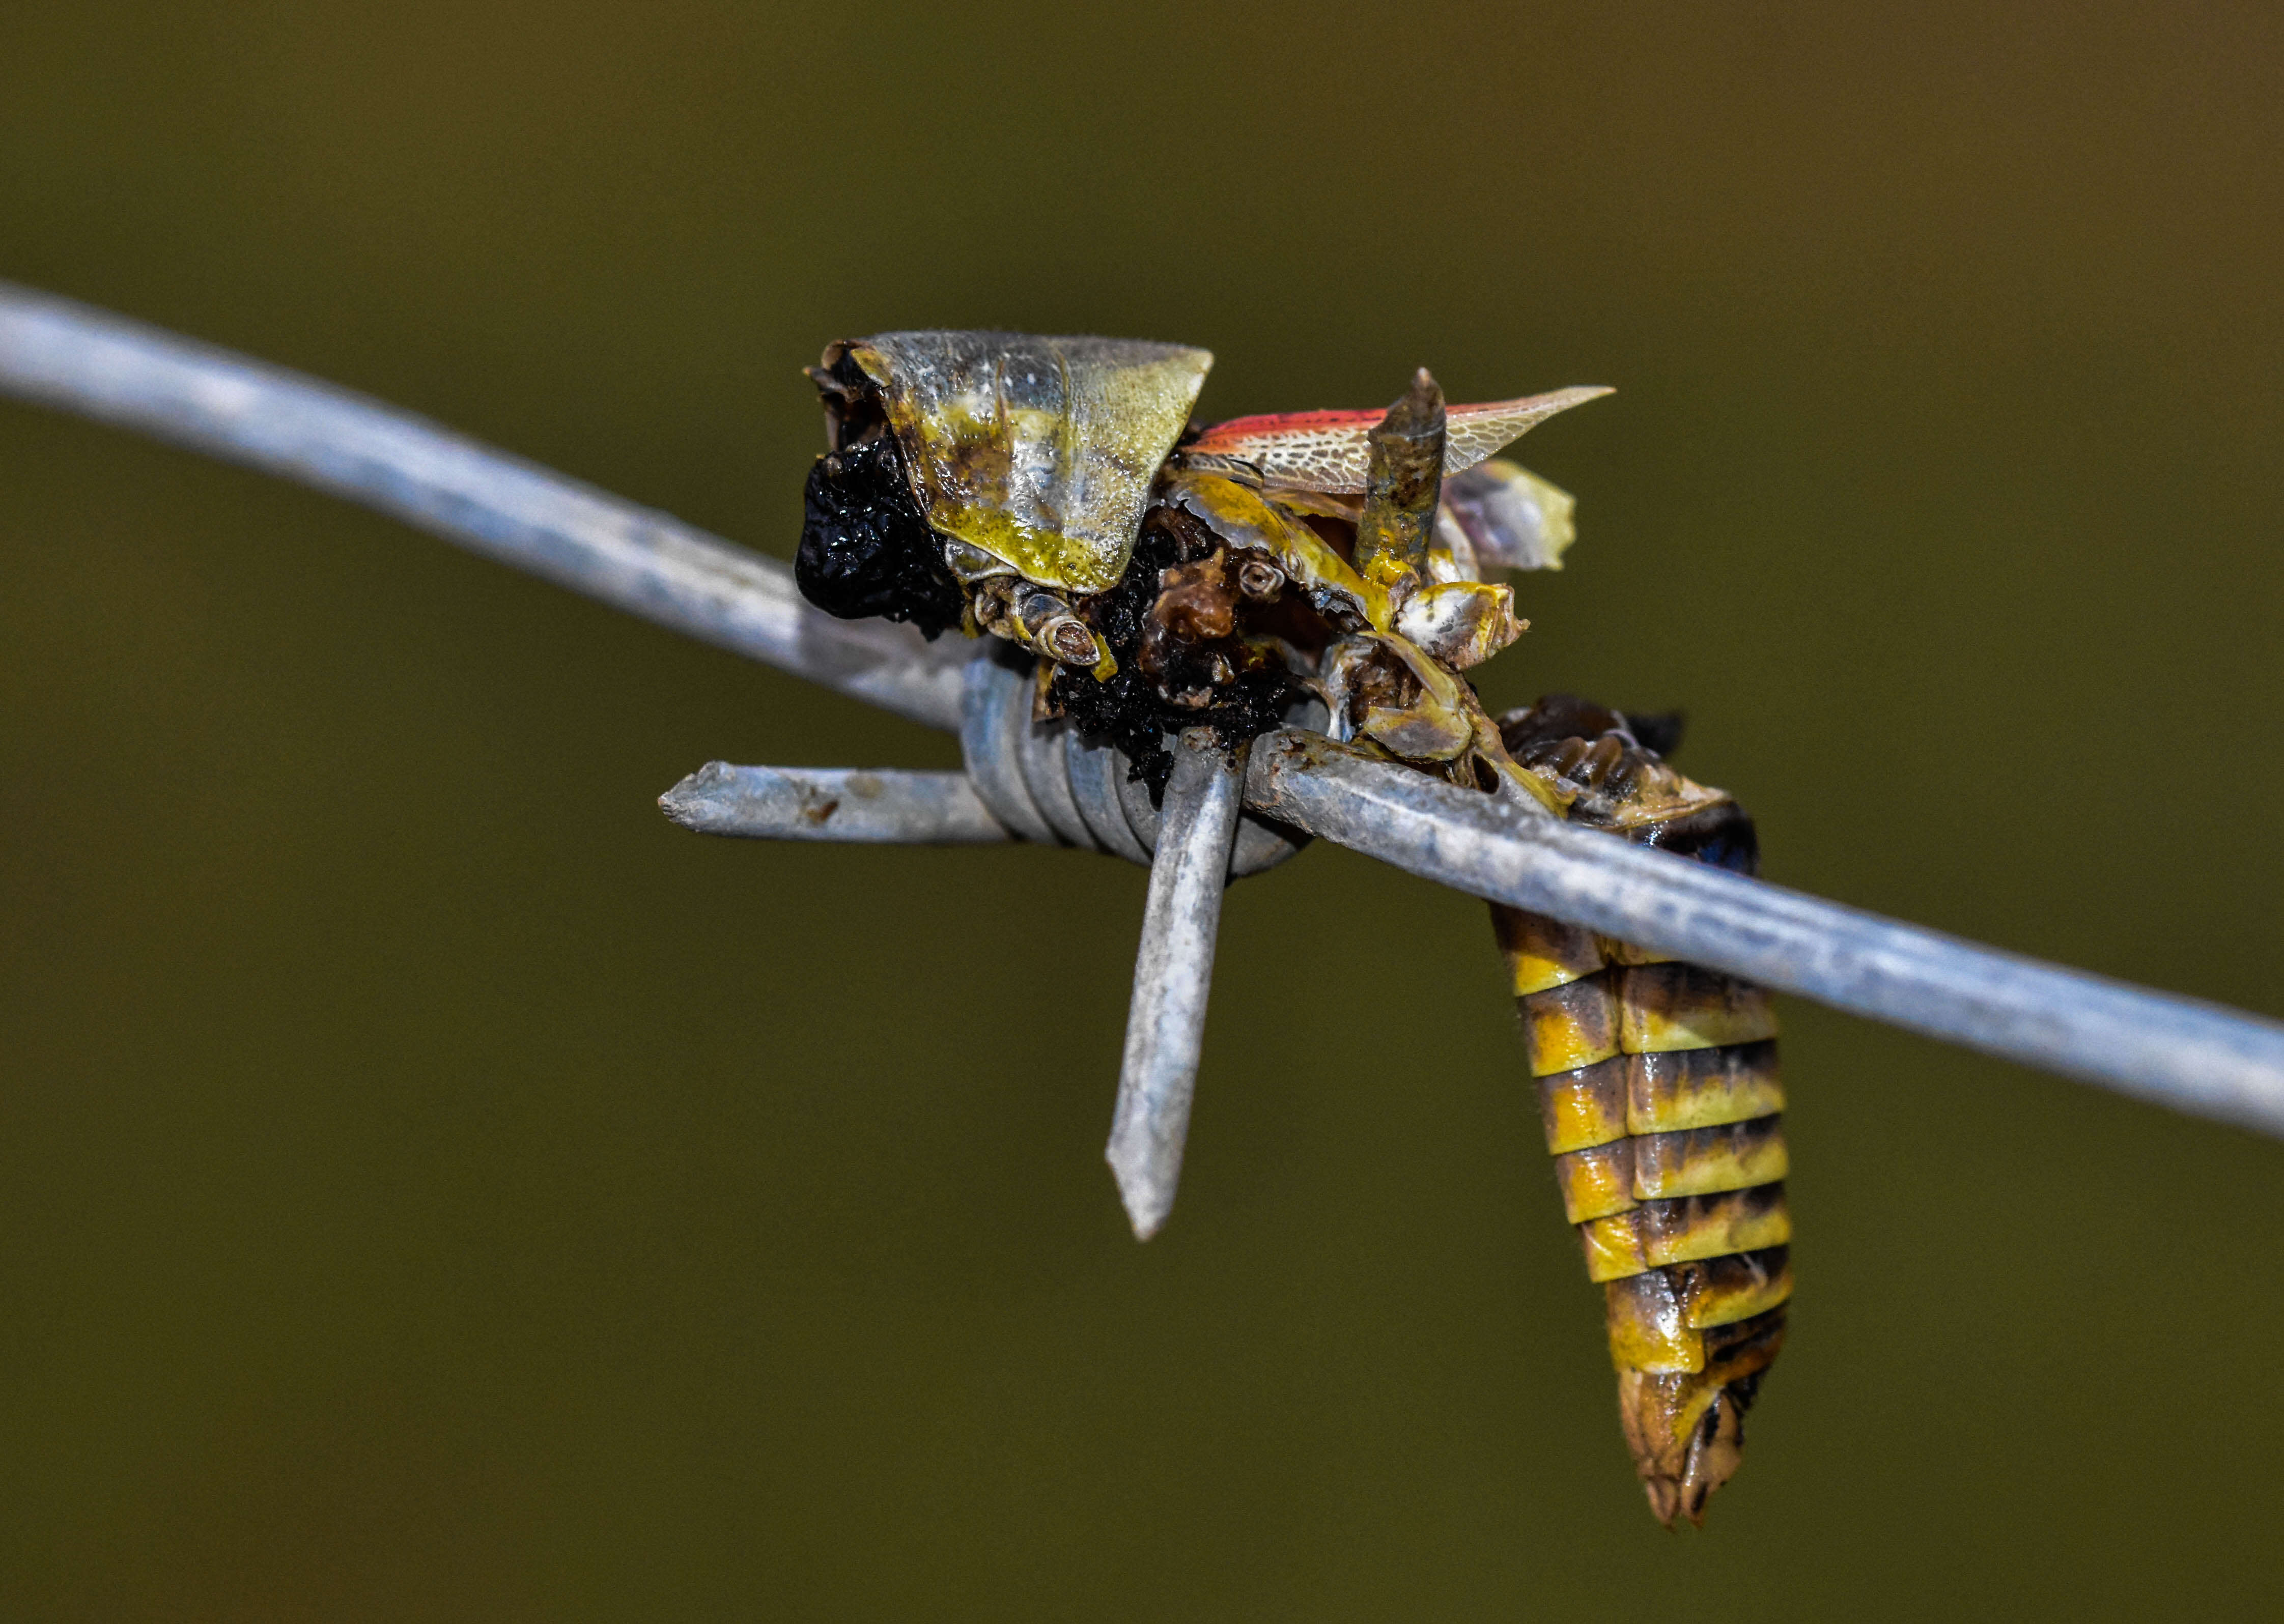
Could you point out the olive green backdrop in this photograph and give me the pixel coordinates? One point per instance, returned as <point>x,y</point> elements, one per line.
<point>431,1186</point>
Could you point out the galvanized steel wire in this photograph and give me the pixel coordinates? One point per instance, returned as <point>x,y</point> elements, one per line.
<point>2178,1052</point>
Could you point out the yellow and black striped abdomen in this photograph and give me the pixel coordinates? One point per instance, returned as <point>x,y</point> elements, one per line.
<point>1658,1085</point>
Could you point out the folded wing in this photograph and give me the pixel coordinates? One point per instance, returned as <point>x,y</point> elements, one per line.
<point>1328,450</point>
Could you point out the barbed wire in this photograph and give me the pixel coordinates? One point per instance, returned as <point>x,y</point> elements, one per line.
<point>2182,1053</point>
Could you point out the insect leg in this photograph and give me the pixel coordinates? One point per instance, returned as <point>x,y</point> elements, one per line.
<point>1405,481</point>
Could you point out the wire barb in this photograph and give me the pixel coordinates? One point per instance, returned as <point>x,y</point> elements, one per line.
<point>882,808</point>
<point>1173,973</point>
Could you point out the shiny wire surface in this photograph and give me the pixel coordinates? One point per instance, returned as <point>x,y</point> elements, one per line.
<point>76,359</point>
<point>2178,1052</point>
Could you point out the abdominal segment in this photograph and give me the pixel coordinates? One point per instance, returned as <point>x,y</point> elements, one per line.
<point>1659,1090</point>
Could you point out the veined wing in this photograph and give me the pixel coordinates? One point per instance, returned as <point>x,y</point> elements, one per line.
<point>1328,450</point>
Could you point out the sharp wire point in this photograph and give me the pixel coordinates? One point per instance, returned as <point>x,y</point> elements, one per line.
<point>1173,973</point>
<point>879,807</point>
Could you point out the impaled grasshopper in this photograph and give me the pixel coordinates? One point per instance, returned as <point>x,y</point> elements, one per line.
<point>1659,1080</point>
<point>1161,588</point>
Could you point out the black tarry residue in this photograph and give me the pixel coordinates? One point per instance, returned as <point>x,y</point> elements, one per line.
<point>866,547</point>
<point>1129,710</point>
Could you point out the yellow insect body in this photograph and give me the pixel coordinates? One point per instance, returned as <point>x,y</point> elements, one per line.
<point>1659,1089</point>
<point>1211,583</point>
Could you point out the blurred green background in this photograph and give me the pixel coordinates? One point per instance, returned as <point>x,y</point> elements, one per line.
<point>434,1187</point>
